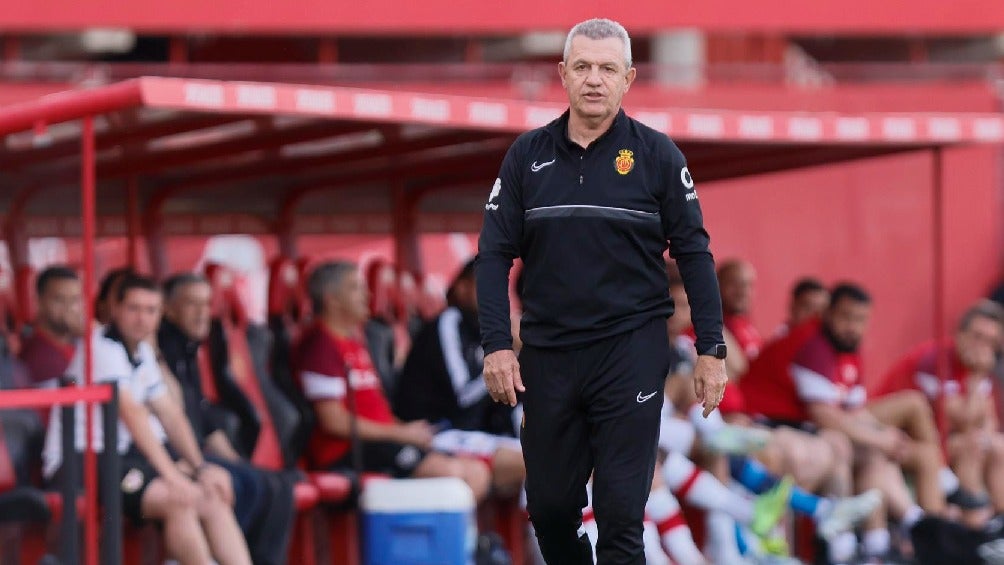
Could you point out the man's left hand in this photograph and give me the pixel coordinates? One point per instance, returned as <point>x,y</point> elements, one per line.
<point>217,481</point>
<point>709,382</point>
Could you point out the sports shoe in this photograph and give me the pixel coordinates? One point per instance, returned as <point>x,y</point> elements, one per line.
<point>769,507</point>
<point>968,500</point>
<point>847,512</point>
<point>992,552</point>
<point>737,440</point>
<point>775,546</point>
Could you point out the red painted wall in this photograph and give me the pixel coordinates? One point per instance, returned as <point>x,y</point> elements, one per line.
<point>435,16</point>
<point>869,221</point>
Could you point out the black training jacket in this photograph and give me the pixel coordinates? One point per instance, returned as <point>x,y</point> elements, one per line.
<point>591,226</point>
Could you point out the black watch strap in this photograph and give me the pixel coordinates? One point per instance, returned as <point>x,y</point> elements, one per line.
<point>718,351</point>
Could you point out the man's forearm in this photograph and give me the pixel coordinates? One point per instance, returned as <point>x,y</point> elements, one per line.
<point>180,434</point>
<point>217,444</point>
<point>861,431</point>
<point>138,424</point>
<point>701,284</point>
<point>368,430</point>
<point>493,302</point>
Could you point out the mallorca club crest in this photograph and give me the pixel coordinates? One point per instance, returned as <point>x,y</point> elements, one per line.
<point>624,161</point>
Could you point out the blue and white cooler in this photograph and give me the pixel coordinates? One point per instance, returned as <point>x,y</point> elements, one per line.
<point>418,522</point>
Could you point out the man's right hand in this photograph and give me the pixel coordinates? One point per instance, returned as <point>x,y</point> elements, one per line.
<point>502,376</point>
<point>418,433</point>
<point>182,489</point>
<point>893,443</point>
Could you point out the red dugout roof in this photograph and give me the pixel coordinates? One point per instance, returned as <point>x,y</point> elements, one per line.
<point>466,112</point>
<point>214,156</point>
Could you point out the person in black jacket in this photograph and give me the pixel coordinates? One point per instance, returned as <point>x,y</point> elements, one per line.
<point>263,502</point>
<point>588,202</point>
<point>441,383</point>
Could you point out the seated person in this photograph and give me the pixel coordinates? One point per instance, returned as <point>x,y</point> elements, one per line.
<point>263,502</point>
<point>826,375</point>
<point>442,382</point>
<point>963,398</point>
<point>58,326</point>
<point>808,300</point>
<point>757,456</point>
<point>336,374</point>
<point>190,497</point>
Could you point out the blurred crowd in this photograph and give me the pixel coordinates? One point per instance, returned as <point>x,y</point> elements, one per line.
<point>359,372</point>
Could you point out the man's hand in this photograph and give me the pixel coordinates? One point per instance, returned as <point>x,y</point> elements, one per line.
<point>418,433</point>
<point>217,481</point>
<point>894,443</point>
<point>182,489</point>
<point>709,382</point>
<point>502,376</point>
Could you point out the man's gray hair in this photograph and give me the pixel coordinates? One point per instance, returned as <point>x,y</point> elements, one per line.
<point>174,284</point>
<point>600,28</point>
<point>325,279</point>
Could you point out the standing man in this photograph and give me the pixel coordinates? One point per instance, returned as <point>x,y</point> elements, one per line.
<point>588,202</point>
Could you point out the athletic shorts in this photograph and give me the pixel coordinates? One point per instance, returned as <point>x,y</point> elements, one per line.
<point>136,475</point>
<point>395,459</point>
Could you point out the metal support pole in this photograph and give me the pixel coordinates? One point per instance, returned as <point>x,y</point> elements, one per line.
<point>938,283</point>
<point>87,197</point>
<point>69,532</point>
<point>111,496</point>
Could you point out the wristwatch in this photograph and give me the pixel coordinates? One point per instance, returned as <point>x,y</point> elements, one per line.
<point>718,351</point>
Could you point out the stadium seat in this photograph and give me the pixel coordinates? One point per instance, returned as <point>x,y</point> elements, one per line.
<point>285,317</point>
<point>229,312</point>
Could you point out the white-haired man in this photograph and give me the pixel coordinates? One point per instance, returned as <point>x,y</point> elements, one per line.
<point>589,202</point>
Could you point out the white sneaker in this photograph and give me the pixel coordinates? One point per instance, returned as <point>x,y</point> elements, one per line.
<point>992,552</point>
<point>847,512</point>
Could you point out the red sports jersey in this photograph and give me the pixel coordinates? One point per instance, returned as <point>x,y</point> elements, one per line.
<point>823,374</point>
<point>746,334</point>
<point>321,361</point>
<point>921,369</point>
<point>768,387</point>
<point>46,358</point>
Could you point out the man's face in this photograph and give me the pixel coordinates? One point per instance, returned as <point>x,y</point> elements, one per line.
<point>595,76</point>
<point>350,298</point>
<point>809,304</point>
<point>847,322</point>
<point>737,288</point>
<point>978,344</point>
<point>61,308</point>
<point>190,310</point>
<point>138,314</point>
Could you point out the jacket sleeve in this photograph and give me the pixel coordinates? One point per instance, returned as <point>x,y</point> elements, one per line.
<point>683,225</point>
<point>498,245</point>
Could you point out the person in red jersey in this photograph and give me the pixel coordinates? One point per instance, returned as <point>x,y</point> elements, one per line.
<point>736,279</point>
<point>887,434</point>
<point>809,298</point>
<point>956,376</point>
<point>336,374</point>
<point>58,327</point>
